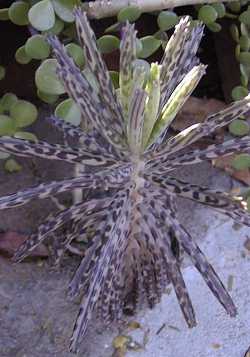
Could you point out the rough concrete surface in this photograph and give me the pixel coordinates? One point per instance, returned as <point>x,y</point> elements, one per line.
<point>36,318</point>
<point>216,335</point>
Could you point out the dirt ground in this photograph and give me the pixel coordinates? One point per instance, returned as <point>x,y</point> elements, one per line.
<point>36,319</point>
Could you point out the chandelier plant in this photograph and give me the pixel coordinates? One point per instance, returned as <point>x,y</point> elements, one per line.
<point>137,240</point>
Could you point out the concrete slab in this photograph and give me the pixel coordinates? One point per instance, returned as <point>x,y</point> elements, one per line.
<point>216,334</point>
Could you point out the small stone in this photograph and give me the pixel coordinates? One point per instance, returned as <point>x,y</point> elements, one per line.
<point>121,341</point>
<point>243,254</point>
<point>133,325</point>
<point>216,346</point>
<point>237,226</point>
<point>247,243</point>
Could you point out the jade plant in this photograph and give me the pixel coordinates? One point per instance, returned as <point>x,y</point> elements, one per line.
<point>127,161</point>
<point>15,116</point>
<point>56,17</point>
<point>240,31</point>
<point>43,17</point>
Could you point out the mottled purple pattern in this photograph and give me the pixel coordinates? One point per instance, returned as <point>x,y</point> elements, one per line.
<point>135,241</point>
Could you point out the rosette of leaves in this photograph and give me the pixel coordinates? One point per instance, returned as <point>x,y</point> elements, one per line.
<point>137,240</point>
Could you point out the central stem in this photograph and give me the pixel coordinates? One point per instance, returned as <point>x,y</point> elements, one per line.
<point>137,180</point>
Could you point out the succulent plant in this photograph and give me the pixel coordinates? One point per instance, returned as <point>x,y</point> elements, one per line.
<point>15,115</point>
<point>240,31</point>
<point>136,240</point>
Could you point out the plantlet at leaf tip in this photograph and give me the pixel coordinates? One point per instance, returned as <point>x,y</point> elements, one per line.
<point>137,244</point>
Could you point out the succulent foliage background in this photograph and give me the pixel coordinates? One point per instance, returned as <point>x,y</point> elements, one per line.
<point>56,17</point>
<point>135,242</point>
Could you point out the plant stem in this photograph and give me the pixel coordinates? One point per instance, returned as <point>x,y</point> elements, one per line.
<point>231,16</point>
<point>106,8</point>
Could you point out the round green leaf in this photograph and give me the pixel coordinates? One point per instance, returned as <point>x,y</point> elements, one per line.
<point>245,70</point>
<point>64,9</point>
<point>21,56</point>
<point>234,6</point>
<point>244,80</point>
<point>245,17</point>
<point>25,135</point>
<point>220,9</point>
<point>18,13</point>
<point>237,52</point>
<point>244,42</point>
<point>7,125</point>
<point>37,47</point>
<point>91,79</point>
<point>241,162</point>
<point>69,111</point>
<point>239,92</point>
<point>239,127</point>
<point>76,52</point>
<point>115,78</point>
<point>139,46</point>
<point>235,32</point>
<point>108,43</point>
<point>57,28</point>
<point>194,23</point>
<point>130,13</point>
<point>12,165</point>
<point>143,64</point>
<point>8,100</point>
<point>149,45</point>
<point>244,58</point>
<point>113,28</point>
<point>214,27</point>
<point>2,72</point>
<point>245,30</point>
<point>46,78</point>
<point>47,98</point>
<point>4,14</point>
<point>207,14</point>
<point>24,113</point>
<point>163,36</point>
<point>167,19</point>
<point>42,15</point>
